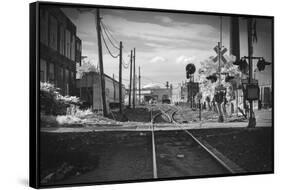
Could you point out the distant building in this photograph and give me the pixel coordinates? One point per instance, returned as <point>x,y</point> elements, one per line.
<point>176,93</point>
<point>89,88</point>
<point>156,94</point>
<point>265,83</point>
<point>60,49</point>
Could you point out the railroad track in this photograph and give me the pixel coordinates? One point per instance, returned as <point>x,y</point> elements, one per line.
<point>178,153</point>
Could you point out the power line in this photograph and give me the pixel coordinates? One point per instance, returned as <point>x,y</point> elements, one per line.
<point>114,56</point>
<point>106,33</point>
<point>104,26</point>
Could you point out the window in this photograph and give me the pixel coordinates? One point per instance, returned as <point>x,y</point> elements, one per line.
<point>53,33</point>
<point>66,76</point>
<point>51,73</point>
<point>72,79</point>
<point>44,27</point>
<point>43,70</point>
<point>66,82</point>
<point>73,47</point>
<point>62,41</point>
<point>60,77</point>
<point>68,43</point>
<point>78,51</point>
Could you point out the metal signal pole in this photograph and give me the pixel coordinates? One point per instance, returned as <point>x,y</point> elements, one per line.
<point>130,90</point>
<point>101,63</point>
<point>219,54</point>
<point>120,77</point>
<point>252,119</point>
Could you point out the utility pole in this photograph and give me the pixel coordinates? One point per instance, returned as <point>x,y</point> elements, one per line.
<point>114,90</point>
<point>130,90</point>
<point>120,78</point>
<point>134,80</point>
<point>101,63</point>
<point>139,86</point>
<point>252,119</point>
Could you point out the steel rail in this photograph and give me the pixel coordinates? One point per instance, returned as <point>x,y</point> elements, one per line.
<point>215,157</point>
<point>153,145</point>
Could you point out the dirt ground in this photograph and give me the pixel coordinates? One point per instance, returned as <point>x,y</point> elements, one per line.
<point>251,149</point>
<point>103,156</point>
<point>88,157</point>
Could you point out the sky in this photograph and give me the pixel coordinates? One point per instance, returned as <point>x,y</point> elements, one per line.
<point>165,42</point>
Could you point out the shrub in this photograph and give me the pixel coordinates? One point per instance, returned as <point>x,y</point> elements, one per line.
<point>53,103</point>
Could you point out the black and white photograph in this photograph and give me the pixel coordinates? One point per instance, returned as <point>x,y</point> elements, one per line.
<point>138,94</point>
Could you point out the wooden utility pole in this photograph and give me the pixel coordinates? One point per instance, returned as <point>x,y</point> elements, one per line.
<point>130,90</point>
<point>114,89</point>
<point>101,64</point>
<point>120,78</point>
<point>134,80</point>
<point>139,86</point>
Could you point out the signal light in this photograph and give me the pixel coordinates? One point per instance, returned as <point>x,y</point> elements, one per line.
<point>190,68</point>
<point>261,64</point>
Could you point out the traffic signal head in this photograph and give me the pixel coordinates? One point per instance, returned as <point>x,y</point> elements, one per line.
<point>187,75</point>
<point>261,64</point>
<point>190,68</point>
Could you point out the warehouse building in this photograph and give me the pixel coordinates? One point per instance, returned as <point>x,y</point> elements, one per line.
<point>60,49</point>
<point>89,88</point>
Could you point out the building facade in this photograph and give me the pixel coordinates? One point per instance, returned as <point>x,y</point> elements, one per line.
<point>265,83</point>
<point>156,94</point>
<point>89,87</point>
<point>60,49</point>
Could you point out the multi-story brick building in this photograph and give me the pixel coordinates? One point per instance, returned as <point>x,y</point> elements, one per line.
<point>60,49</point>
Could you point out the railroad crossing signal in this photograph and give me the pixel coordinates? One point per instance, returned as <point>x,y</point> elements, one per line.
<point>221,52</point>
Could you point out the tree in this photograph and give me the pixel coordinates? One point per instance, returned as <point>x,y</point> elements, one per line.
<point>87,66</point>
<point>228,71</point>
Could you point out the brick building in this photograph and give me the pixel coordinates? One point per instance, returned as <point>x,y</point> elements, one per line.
<point>60,49</point>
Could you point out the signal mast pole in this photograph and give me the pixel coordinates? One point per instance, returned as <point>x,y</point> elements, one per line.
<point>219,56</point>
<point>252,119</point>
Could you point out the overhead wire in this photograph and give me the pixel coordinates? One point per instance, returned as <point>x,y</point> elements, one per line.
<point>107,35</point>
<point>105,26</point>
<point>114,56</point>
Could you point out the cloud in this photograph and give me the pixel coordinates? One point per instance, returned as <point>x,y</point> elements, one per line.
<point>157,59</point>
<point>172,35</point>
<point>185,59</point>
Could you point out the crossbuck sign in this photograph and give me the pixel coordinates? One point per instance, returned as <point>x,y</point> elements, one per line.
<point>221,52</point>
